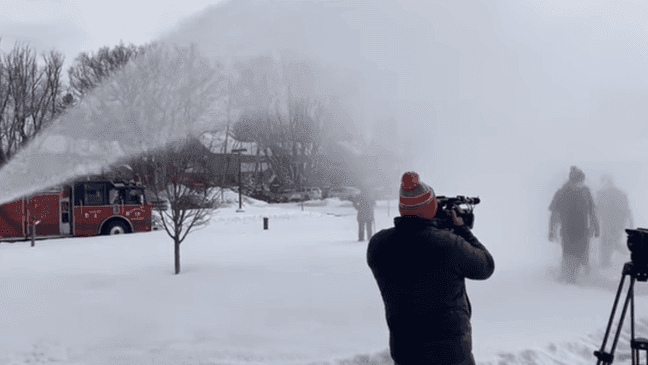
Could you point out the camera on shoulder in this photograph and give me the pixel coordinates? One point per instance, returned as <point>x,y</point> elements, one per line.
<point>463,207</point>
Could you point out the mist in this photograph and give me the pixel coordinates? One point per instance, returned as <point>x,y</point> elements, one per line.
<point>495,99</point>
<point>489,99</point>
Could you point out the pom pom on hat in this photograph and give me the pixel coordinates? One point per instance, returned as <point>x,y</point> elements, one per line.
<point>410,181</point>
<point>416,197</point>
<point>576,174</point>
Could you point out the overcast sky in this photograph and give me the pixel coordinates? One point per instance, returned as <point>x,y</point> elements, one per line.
<point>74,26</point>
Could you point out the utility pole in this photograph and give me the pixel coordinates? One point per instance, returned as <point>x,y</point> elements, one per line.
<point>239,150</point>
<point>32,219</point>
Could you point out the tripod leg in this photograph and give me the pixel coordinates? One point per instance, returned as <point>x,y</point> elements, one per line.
<point>623,312</point>
<point>614,306</point>
<point>635,352</point>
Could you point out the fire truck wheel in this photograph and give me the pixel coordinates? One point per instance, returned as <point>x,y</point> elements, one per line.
<point>116,228</point>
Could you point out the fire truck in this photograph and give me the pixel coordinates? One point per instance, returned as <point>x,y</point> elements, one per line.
<point>83,208</point>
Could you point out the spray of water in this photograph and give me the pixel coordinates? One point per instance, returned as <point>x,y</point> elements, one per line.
<point>489,99</point>
<point>183,85</point>
<point>161,96</point>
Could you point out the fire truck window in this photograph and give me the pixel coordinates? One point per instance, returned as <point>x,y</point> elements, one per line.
<point>78,194</point>
<point>134,197</point>
<point>93,197</point>
<point>114,197</point>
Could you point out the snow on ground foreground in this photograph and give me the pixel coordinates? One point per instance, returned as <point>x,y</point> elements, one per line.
<point>298,293</point>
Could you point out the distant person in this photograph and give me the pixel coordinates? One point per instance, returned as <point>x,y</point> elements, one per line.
<point>613,209</point>
<point>114,196</point>
<point>420,270</point>
<point>572,208</point>
<point>364,204</point>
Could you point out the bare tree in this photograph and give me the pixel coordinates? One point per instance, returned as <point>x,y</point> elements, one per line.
<point>313,114</point>
<point>166,93</point>
<point>190,201</point>
<point>291,135</point>
<point>30,96</point>
<point>161,97</point>
<point>292,108</point>
<point>90,69</point>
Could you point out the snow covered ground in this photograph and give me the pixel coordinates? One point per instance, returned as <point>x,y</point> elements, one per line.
<point>298,293</point>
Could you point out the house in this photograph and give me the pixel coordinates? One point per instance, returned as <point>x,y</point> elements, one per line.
<point>216,169</point>
<point>356,164</point>
<point>225,167</point>
<point>225,164</point>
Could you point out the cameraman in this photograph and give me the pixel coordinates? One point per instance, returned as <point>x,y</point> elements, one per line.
<point>420,270</point>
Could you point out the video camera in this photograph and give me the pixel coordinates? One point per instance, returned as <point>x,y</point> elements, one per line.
<point>446,204</point>
<point>638,246</point>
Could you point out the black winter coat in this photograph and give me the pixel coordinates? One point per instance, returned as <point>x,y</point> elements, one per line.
<point>420,271</point>
<point>574,208</point>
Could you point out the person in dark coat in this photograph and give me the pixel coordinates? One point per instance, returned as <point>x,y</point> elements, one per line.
<point>572,208</point>
<point>364,204</point>
<point>613,209</point>
<point>420,270</point>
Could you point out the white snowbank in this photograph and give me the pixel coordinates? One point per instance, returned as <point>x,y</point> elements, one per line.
<point>229,197</point>
<point>297,293</point>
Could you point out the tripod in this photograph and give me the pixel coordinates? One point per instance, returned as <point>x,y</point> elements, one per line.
<point>636,344</point>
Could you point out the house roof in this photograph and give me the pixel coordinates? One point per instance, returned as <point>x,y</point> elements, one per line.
<point>352,147</point>
<point>215,142</point>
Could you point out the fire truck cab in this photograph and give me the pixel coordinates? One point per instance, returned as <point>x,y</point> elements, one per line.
<point>84,208</point>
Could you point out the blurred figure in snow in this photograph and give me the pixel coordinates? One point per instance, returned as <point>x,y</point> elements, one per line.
<point>420,270</point>
<point>364,204</point>
<point>613,209</point>
<point>572,208</point>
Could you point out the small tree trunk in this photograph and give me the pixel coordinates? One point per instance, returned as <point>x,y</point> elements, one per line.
<point>177,256</point>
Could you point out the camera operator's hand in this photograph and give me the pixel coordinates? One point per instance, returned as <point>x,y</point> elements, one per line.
<point>458,221</point>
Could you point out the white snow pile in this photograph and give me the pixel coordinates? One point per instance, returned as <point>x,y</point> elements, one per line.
<point>229,197</point>
<point>41,352</point>
<point>227,210</point>
<point>297,293</point>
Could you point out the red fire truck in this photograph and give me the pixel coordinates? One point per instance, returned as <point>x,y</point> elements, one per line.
<point>84,208</point>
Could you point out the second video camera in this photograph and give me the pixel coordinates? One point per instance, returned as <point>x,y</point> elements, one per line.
<point>638,246</point>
